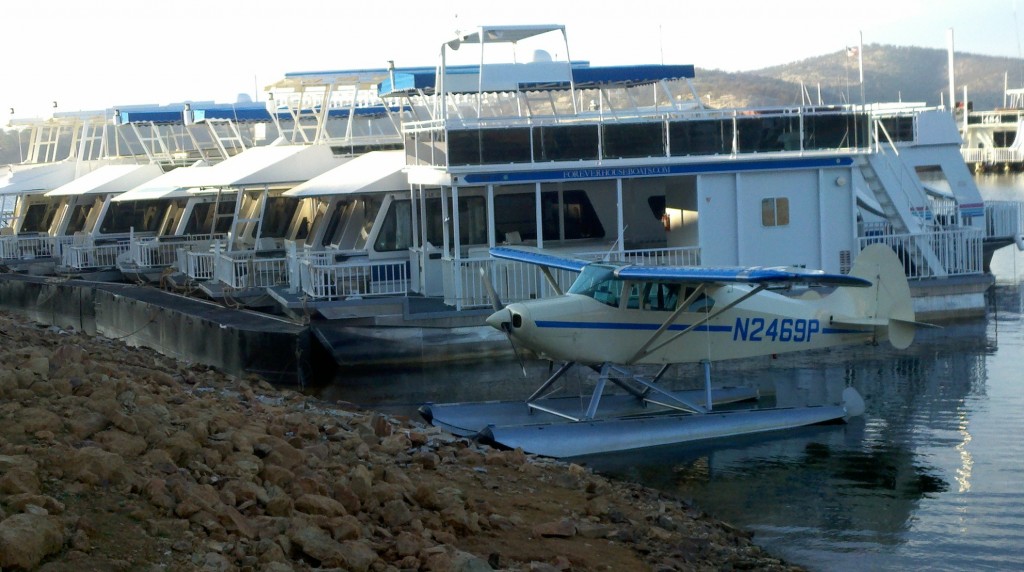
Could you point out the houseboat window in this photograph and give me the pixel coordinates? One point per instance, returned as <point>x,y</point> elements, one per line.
<point>337,211</point>
<point>78,217</point>
<point>516,213</point>
<point>38,218</point>
<point>472,221</point>
<point>172,218</point>
<point>657,205</point>
<point>775,211</point>
<point>137,216</point>
<point>396,230</point>
<point>580,218</point>
<point>202,218</point>
<point>489,146</point>
<point>565,143</point>
<point>630,140</point>
<point>762,134</point>
<point>597,281</point>
<point>841,130</point>
<point>370,208</point>
<point>276,217</point>
<point>709,137</point>
<point>900,128</point>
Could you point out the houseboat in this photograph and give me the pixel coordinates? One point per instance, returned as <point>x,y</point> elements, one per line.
<point>626,163</point>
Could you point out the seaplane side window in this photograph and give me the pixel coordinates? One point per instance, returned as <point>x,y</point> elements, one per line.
<point>597,281</point>
<point>702,304</point>
<point>661,297</point>
<point>775,211</point>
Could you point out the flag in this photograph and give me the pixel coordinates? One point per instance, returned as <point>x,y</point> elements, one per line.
<point>852,52</point>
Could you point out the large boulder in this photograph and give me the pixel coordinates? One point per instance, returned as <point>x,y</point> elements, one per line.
<point>25,539</point>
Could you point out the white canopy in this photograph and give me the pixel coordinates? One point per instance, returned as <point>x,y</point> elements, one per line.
<point>270,165</point>
<point>376,171</point>
<point>175,183</point>
<point>39,178</point>
<point>108,179</point>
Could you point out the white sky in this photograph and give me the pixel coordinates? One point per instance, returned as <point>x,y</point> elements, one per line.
<point>93,54</point>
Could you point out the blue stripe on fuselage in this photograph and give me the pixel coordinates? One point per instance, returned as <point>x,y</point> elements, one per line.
<point>652,327</point>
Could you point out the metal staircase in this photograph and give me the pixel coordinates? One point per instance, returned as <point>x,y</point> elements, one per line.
<point>908,215</point>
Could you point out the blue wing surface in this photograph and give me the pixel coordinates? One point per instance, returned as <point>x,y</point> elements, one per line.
<point>538,258</point>
<point>741,275</point>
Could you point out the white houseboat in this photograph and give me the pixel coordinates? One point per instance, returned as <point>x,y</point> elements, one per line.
<point>626,163</point>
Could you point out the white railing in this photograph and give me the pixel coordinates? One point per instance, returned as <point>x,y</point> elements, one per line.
<point>1004,218</point>
<point>958,251</point>
<point>92,256</point>
<point>14,247</point>
<point>992,156</point>
<point>517,281</point>
<point>198,265</point>
<point>158,253</point>
<point>323,279</point>
<point>245,269</point>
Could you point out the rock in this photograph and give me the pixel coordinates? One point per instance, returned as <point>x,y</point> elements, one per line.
<point>564,528</point>
<point>395,513</point>
<point>36,419</point>
<point>466,562</point>
<point>19,502</point>
<point>20,480</point>
<point>357,555</point>
<point>25,539</point>
<point>121,443</point>
<point>319,504</point>
<point>318,544</point>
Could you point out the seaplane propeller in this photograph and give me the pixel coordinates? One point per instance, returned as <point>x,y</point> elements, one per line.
<point>504,326</point>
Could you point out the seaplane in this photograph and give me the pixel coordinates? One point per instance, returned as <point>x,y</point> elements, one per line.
<point>617,317</point>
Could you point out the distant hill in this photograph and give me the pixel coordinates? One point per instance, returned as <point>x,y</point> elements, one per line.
<point>891,73</point>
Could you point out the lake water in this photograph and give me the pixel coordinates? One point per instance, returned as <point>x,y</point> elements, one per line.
<point>931,478</point>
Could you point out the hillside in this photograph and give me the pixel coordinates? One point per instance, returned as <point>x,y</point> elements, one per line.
<point>891,73</point>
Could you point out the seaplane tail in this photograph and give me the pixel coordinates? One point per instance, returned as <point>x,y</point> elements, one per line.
<point>886,305</point>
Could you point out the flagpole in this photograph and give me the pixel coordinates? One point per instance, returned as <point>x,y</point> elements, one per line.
<point>860,64</point>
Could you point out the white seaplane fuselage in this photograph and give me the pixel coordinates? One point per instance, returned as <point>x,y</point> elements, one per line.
<point>580,328</point>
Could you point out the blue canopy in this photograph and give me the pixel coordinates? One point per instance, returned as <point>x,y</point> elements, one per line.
<point>583,75</point>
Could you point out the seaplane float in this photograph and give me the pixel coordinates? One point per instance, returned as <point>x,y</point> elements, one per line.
<point>617,317</point>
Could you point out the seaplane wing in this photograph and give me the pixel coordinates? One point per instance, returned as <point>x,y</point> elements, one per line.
<point>688,274</point>
<point>737,275</point>
<point>539,258</point>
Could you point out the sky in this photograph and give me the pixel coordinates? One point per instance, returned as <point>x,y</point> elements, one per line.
<point>95,54</point>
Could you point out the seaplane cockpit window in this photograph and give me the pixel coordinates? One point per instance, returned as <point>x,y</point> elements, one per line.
<point>598,282</point>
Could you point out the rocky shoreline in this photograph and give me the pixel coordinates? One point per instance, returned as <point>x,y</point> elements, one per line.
<point>119,458</point>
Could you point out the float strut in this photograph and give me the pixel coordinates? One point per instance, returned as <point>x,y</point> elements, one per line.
<point>707,382</point>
